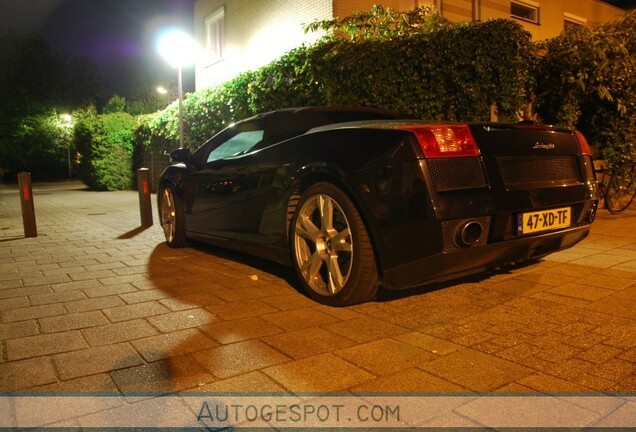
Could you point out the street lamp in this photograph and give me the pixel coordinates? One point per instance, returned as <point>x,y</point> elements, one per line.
<point>177,48</point>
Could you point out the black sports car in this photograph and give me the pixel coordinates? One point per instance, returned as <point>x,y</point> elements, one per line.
<point>360,199</point>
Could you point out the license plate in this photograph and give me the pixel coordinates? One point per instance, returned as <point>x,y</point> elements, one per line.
<point>544,220</point>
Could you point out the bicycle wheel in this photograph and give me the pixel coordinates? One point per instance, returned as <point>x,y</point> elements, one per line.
<point>621,188</point>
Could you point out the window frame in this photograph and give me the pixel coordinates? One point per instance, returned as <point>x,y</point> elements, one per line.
<point>530,6</point>
<point>573,20</point>
<point>214,28</point>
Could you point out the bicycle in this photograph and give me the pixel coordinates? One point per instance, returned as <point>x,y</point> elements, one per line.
<point>619,192</point>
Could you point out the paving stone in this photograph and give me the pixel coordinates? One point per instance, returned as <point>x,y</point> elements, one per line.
<point>476,371</point>
<point>24,291</point>
<point>290,301</point>
<point>239,310</point>
<point>235,359</point>
<point>72,322</point>
<point>615,306</point>
<point>321,373</point>
<point>627,293</point>
<point>137,310</point>
<point>99,383</point>
<point>299,318</point>
<point>122,280</point>
<point>226,332</point>
<point>19,329</point>
<point>190,300</point>
<point>42,280</point>
<point>120,271</point>
<point>109,290</point>
<point>410,380</point>
<point>40,345</point>
<point>550,384</point>
<point>31,312</point>
<point>564,300</point>
<point>365,329</point>
<point>93,304</point>
<point>7,284</point>
<point>614,369</point>
<point>240,294</point>
<point>520,287</point>
<point>75,285</point>
<point>600,354</point>
<point>172,344</point>
<point>92,361</point>
<point>307,342</point>
<point>163,376</point>
<point>23,374</point>
<point>144,296</point>
<point>580,291</point>
<point>14,303</point>
<point>626,385</point>
<point>251,382</point>
<point>119,332</point>
<point>606,281</point>
<point>173,321</point>
<point>385,356</point>
<point>547,278</point>
<point>58,297</point>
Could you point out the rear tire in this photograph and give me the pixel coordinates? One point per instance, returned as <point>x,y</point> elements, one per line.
<point>331,249</point>
<point>621,188</point>
<point>171,218</point>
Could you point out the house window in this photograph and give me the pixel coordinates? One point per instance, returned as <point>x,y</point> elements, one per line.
<point>215,36</point>
<point>570,20</point>
<point>527,11</point>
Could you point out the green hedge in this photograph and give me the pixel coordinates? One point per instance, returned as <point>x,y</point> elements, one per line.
<point>104,144</point>
<point>587,79</point>
<point>456,72</point>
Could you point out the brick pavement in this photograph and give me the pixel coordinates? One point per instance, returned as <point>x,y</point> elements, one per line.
<point>95,303</point>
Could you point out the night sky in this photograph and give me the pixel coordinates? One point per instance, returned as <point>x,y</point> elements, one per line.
<point>118,35</point>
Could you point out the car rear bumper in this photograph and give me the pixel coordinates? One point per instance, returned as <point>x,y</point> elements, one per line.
<point>478,258</point>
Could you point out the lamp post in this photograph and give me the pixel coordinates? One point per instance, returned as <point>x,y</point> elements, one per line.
<point>67,119</point>
<point>177,48</point>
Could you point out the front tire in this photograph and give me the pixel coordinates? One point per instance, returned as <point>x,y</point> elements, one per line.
<point>171,218</point>
<point>331,249</point>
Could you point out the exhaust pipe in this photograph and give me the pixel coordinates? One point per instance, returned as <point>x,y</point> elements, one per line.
<point>468,233</point>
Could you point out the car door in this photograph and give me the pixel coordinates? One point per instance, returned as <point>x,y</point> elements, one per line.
<point>217,191</point>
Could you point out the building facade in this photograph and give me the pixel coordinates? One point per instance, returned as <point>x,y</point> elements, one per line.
<point>240,35</point>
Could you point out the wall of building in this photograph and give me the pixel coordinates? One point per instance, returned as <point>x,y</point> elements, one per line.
<point>256,32</point>
<point>554,12</point>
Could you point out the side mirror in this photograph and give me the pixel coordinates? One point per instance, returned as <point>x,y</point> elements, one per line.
<point>181,155</point>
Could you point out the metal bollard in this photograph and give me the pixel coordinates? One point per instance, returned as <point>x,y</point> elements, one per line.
<point>145,205</point>
<point>26,201</point>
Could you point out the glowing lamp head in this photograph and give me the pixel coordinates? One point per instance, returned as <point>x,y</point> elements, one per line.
<point>176,47</point>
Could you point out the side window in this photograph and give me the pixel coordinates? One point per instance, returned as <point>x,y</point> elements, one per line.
<point>236,145</point>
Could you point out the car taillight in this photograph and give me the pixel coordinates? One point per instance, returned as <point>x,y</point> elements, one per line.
<point>585,147</point>
<point>441,140</point>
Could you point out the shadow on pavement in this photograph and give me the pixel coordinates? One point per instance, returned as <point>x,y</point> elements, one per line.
<point>132,233</point>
